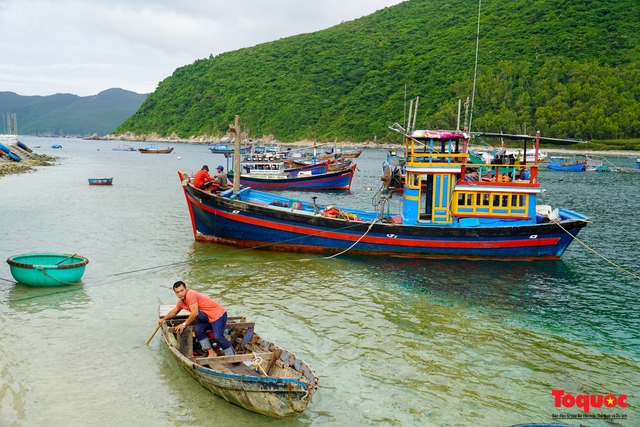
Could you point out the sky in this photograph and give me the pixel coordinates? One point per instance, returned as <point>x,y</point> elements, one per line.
<point>83,47</point>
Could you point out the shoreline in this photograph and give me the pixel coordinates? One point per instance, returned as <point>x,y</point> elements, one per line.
<point>32,160</point>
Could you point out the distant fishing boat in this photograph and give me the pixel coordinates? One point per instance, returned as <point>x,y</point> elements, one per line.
<point>100,181</point>
<point>262,377</point>
<point>153,149</point>
<point>124,148</point>
<point>222,148</point>
<point>566,164</point>
<point>47,269</point>
<point>56,146</point>
<point>638,162</point>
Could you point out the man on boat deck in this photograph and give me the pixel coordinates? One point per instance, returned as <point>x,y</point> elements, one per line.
<point>203,180</point>
<point>205,313</point>
<point>221,179</point>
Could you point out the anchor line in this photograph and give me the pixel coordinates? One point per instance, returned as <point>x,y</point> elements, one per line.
<point>595,252</point>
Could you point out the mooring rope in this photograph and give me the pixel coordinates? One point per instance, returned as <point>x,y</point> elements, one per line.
<point>356,242</point>
<point>595,252</point>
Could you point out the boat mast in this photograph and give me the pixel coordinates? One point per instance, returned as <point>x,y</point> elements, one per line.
<point>475,70</point>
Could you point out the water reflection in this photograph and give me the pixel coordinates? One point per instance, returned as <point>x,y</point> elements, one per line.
<point>28,299</point>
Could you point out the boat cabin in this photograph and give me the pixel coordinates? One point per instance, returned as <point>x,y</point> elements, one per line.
<point>442,187</point>
<point>264,169</point>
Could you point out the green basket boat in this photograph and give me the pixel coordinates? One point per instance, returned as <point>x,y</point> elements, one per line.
<point>47,269</point>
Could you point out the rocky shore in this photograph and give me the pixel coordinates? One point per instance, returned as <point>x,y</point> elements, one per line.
<point>28,161</point>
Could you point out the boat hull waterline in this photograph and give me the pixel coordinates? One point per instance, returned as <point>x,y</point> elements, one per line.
<point>253,224</point>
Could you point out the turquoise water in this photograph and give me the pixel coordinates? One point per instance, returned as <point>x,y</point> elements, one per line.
<point>395,342</point>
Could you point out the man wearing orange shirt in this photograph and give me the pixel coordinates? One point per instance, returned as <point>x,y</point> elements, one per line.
<point>205,313</point>
<point>203,180</point>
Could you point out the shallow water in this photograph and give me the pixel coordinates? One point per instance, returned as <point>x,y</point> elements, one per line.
<point>396,342</point>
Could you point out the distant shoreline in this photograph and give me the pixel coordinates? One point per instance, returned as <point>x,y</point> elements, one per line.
<point>206,140</point>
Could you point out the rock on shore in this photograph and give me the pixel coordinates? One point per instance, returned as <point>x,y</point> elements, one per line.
<point>28,162</point>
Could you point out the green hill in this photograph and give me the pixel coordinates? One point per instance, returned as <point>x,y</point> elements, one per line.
<point>71,114</point>
<point>569,68</point>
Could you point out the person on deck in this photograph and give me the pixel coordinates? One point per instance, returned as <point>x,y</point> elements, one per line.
<point>221,179</point>
<point>202,179</point>
<point>205,313</point>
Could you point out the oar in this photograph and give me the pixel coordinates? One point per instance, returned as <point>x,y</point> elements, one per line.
<point>153,334</point>
<point>69,257</point>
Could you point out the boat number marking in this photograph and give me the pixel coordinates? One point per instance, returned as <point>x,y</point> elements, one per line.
<point>533,236</point>
<point>392,236</point>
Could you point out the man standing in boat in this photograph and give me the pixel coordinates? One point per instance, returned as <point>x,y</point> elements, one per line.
<point>204,313</point>
<point>221,179</point>
<point>202,179</point>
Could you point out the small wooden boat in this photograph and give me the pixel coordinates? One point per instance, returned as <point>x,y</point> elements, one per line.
<point>47,269</point>
<point>100,181</point>
<point>262,377</point>
<point>153,149</point>
<point>638,162</point>
<point>566,164</point>
<point>56,146</point>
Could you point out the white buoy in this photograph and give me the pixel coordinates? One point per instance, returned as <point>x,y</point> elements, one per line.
<point>179,157</point>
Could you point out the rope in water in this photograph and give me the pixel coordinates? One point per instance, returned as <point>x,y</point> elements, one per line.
<point>595,252</point>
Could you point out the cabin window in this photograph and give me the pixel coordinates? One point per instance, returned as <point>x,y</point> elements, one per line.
<point>490,204</point>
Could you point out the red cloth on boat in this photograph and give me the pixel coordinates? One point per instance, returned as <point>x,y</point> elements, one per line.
<point>209,306</point>
<point>201,177</point>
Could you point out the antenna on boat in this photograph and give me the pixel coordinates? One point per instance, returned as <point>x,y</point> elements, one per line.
<point>408,127</point>
<point>459,106</point>
<point>475,70</point>
<point>415,114</point>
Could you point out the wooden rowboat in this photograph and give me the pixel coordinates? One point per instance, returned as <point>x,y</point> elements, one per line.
<point>100,181</point>
<point>262,377</point>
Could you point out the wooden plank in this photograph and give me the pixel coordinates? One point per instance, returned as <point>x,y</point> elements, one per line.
<point>163,310</point>
<point>232,359</point>
<point>185,342</point>
<point>242,369</point>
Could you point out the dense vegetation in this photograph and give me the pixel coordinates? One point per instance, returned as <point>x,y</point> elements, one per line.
<point>569,68</point>
<point>66,114</point>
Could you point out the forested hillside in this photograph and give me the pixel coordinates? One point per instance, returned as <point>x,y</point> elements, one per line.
<point>68,114</point>
<point>569,68</point>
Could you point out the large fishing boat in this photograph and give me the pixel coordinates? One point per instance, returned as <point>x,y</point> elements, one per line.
<point>462,210</point>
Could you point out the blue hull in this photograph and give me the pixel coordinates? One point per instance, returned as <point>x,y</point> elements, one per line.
<point>218,218</point>
<point>579,167</point>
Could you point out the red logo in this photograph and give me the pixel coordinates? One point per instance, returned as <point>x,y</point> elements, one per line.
<point>588,401</point>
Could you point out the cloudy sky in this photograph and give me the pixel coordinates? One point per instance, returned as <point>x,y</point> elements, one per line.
<point>86,46</point>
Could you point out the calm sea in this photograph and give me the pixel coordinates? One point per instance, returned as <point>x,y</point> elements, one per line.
<point>395,342</point>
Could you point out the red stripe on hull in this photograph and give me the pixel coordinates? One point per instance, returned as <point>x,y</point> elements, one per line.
<point>378,240</point>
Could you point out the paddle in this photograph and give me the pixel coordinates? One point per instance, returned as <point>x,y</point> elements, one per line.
<point>69,257</point>
<point>153,334</point>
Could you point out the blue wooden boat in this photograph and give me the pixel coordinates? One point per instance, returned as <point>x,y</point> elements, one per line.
<point>47,269</point>
<point>100,181</point>
<point>273,176</point>
<point>638,162</point>
<point>222,148</point>
<point>566,164</point>
<point>56,146</point>
<point>495,217</point>
<point>262,377</point>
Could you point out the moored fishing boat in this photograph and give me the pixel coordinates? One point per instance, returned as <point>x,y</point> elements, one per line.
<point>273,176</point>
<point>566,164</point>
<point>153,149</point>
<point>47,269</point>
<point>262,377</point>
<point>495,216</point>
<point>227,149</point>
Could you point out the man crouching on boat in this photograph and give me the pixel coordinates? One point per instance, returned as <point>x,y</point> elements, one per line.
<point>204,312</point>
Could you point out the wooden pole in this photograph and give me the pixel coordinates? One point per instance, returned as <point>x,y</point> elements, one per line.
<point>153,334</point>
<point>237,169</point>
